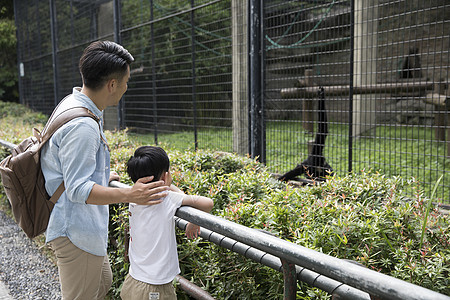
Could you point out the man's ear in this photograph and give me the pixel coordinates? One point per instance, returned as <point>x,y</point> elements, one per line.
<point>112,85</point>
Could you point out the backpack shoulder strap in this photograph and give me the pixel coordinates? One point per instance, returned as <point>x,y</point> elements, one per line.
<point>66,116</point>
<point>57,193</point>
<point>53,125</point>
<point>63,118</point>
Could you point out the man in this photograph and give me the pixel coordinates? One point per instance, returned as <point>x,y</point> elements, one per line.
<point>78,154</point>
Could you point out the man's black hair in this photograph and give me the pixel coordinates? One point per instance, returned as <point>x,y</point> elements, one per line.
<point>148,161</point>
<point>101,61</point>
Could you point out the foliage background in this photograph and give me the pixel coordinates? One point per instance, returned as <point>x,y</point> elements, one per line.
<point>8,56</point>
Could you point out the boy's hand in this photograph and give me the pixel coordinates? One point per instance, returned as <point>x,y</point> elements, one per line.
<point>192,230</point>
<point>113,176</point>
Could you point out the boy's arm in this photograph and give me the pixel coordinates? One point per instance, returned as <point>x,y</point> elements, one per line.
<point>203,203</point>
<point>199,202</point>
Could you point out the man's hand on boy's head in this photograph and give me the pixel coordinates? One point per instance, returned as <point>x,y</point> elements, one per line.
<point>192,230</point>
<point>145,192</point>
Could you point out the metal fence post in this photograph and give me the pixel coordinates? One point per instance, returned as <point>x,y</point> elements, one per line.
<point>54,50</point>
<point>290,280</point>
<point>256,128</point>
<point>289,274</point>
<point>194,102</point>
<point>155,106</point>
<point>350,97</point>
<point>20,66</point>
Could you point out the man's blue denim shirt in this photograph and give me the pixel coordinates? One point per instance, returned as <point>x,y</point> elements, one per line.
<point>77,155</point>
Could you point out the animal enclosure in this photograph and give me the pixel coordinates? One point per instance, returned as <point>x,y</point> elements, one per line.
<point>243,76</point>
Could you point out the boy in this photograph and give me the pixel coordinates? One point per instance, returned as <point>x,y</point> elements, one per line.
<point>153,248</point>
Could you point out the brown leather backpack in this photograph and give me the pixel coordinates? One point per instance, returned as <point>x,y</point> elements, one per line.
<point>23,180</point>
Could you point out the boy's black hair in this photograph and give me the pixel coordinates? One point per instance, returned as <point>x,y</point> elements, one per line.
<point>101,61</point>
<point>148,161</point>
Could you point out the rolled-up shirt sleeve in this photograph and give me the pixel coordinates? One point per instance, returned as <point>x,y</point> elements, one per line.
<point>77,154</point>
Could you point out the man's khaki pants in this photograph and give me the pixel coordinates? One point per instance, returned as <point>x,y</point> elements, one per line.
<point>82,275</point>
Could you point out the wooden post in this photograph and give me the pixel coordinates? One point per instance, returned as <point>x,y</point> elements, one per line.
<point>239,12</point>
<point>106,27</point>
<point>365,65</point>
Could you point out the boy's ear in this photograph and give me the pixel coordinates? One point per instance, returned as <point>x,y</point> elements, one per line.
<point>165,177</point>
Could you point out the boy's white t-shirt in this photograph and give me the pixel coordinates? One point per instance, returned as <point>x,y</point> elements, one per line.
<point>153,246</point>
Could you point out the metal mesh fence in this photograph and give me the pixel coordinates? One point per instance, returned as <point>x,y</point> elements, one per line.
<point>187,90</point>
<point>384,67</point>
<point>308,43</point>
<point>35,55</point>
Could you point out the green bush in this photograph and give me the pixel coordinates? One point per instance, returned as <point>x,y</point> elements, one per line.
<point>14,110</point>
<point>8,53</point>
<point>364,217</point>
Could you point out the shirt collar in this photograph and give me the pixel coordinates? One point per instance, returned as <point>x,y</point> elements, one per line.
<point>86,101</point>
